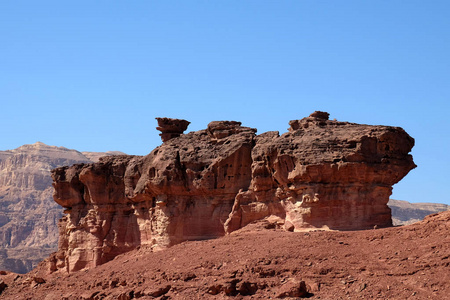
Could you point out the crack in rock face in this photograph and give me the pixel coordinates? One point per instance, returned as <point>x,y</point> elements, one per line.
<point>321,174</point>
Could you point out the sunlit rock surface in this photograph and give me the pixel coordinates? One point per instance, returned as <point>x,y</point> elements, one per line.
<point>200,185</point>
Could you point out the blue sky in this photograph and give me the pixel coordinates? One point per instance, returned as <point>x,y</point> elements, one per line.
<point>93,75</point>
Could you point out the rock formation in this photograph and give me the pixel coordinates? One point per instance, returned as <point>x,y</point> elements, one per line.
<point>201,185</point>
<point>28,214</point>
<point>171,128</point>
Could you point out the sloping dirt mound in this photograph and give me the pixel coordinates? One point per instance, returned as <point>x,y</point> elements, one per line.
<point>263,262</point>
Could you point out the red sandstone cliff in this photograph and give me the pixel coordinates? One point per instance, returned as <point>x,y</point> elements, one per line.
<point>201,185</point>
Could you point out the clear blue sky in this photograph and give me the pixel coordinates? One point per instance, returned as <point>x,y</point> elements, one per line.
<point>93,75</point>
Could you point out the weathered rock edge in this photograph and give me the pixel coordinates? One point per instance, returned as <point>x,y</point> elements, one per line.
<point>204,184</point>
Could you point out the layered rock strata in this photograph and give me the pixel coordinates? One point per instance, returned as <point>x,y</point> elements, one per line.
<point>405,213</point>
<point>28,214</point>
<point>204,184</point>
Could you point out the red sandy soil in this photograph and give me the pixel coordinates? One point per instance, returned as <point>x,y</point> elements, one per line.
<point>261,261</point>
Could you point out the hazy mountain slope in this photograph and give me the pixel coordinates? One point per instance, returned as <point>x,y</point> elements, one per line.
<point>94,156</point>
<point>28,214</point>
<point>404,213</point>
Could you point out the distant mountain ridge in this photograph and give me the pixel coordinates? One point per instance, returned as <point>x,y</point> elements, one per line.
<point>405,213</point>
<point>28,214</point>
<point>95,156</point>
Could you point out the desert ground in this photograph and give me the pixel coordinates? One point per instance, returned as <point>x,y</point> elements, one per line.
<point>261,261</point>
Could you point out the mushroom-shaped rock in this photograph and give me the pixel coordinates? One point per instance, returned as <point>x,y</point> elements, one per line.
<point>171,128</point>
<point>320,115</point>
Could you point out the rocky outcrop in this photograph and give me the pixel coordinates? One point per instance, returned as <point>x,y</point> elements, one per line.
<point>28,214</point>
<point>171,128</point>
<point>405,213</point>
<point>201,185</point>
